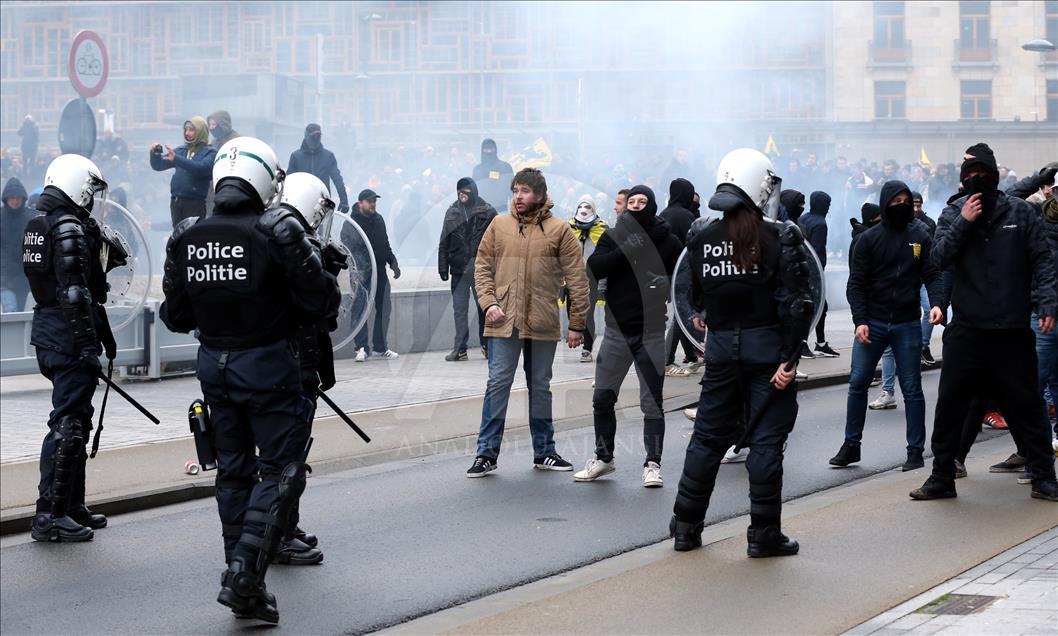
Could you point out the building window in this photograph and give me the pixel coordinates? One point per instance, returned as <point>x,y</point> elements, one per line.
<point>976,99</point>
<point>1052,100</point>
<point>889,100</point>
<point>889,25</point>
<point>1051,19</point>
<point>973,25</point>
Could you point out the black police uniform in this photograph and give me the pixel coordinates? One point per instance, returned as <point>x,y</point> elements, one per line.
<point>245,280</point>
<point>61,259</point>
<point>755,321</point>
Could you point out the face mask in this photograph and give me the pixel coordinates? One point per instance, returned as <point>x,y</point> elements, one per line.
<point>584,214</point>
<point>981,184</point>
<point>900,215</point>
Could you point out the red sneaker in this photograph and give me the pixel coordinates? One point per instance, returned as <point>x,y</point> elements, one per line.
<point>995,420</point>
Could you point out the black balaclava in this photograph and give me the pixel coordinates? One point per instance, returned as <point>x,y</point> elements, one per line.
<point>313,136</point>
<point>794,202</point>
<point>899,216</point>
<point>466,183</point>
<point>488,151</point>
<point>980,158</point>
<point>871,214</point>
<point>696,207</point>
<point>681,193</point>
<point>646,215</point>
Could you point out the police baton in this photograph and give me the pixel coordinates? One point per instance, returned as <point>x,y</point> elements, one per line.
<point>741,443</point>
<point>128,398</point>
<point>345,418</point>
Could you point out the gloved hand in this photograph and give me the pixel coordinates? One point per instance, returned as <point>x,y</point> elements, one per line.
<point>343,208</point>
<point>89,361</point>
<point>443,275</point>
<point>335,258</point>
<point>396,270</point>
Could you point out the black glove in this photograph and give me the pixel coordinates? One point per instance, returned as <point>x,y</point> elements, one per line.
<point>396,270</point>
<point>343,208</point>
<point>443,275</point>
<point>89,361</point>
<point>335,258</point>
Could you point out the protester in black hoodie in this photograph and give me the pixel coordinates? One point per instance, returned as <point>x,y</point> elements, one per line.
<point>313,158</point>
<point>493,177</point>
<point>636,259</point>
<point>14,216</point>
<point>465,223</point>
<point>1003,273</point>
<point>794,204</point>
<point>814,225</point>
<point>679,216</point>
<point>890,262</point>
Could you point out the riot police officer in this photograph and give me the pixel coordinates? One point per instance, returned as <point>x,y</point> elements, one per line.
<point>750,277</point>
<point>66,255</point>
<point>245,278</point>
<point>305,194</point>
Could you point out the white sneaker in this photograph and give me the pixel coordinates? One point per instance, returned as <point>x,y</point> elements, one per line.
<point>361,355</point>
<point>731,457</point>
<point>884,401</point>
<point>800,376</point>
<point>594,469</point>
<point>691,413</point>
<point>652,475</point>
<point>676,371</point>
<point>390,354</point>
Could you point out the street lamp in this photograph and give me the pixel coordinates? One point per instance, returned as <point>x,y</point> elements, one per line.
<point>1039,45</point>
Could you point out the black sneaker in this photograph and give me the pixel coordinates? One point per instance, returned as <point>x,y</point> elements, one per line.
<point>553,461</point>
<point>847,454</point>
<point>806,353</point>
<point>688,536</point>
<point>934,489</point>
<point>482,466</point>
<point>769,542</point>
<point>457,356</point>
<point>1013,464</point>
<point>1045,489</point>
<point>914,460</point>
<point>823,350</point>
<point>927,357</point>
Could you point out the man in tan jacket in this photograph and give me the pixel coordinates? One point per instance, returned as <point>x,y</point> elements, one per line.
<point>522,260</point>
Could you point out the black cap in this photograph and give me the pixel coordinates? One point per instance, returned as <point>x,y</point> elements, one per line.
<point>367,194</point>
<point>979,157</point>
<point>313,129</point>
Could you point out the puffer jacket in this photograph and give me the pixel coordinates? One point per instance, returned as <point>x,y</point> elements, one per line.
<point>521,264</point>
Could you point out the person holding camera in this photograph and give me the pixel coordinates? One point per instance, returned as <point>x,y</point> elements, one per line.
<point>193,165</point>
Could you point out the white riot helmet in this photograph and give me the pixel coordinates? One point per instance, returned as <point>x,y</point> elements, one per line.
<point>752,173</point>
<point>251,160</point>
<point>306,194</point>
<point>77,177</point>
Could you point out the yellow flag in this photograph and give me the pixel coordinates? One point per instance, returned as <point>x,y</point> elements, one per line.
<point>922,158</point>
<point>771,148</point>
<point>536,156</point>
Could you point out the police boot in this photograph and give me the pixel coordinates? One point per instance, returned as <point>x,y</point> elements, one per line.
<point>243,590</point>
<point>769,542</point>
<point>82,515</point>
<point>688,535</point>
<point>293,551</point>
<point>47,527</point>
<point>307,538</point>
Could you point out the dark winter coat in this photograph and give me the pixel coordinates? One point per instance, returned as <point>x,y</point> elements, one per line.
<point>678,214</point>
<point>814,224</point>
<point>493,177</point>
<point>317,160</point>
<point>889,265</point>
<point>374,226</point>
<point>461,233</point>
<point>224,132</point>
<point>12,226</point>
<point>192,176</point>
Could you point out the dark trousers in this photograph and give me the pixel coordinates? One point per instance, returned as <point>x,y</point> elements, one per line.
<point>618,352</point>
<point>676,336</point>
<point>727,389</point>
<point>1000,363</point>
<point>255,402</point>
<point>381,322</point>
<point>821,325</point>
<point>71,395</point>
<point>180,209</point>
<point>463,293</point>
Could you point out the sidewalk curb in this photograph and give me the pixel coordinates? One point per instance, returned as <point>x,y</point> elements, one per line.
<point>20,519</point>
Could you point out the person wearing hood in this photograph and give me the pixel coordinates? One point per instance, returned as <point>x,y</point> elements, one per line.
<point>635,260</point>
<point>30,133</point>
<point>814,226</point>
<point>750,284</point>
<point>889,264</point>
<point>192,165</point>
<point>793,202</point>
<point>220,128</point>
<point>493,176</point>
<point>522,261</point>
<point>313,158</point>
<point>464,224</point>
<point>679,217</point>
<point>14,215</point>
<point>588,227</point>
<point>365,214</point>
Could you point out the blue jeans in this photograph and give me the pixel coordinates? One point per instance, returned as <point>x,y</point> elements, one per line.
<point>906,342</point>
<point>1047,358</point>
<point>503,362</point>
<point>927,329</point>
<point>888,371</point>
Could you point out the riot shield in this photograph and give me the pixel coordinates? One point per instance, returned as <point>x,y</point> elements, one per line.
<point>129,283</point>
<point>681,296</point>
<point>358,283</point>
